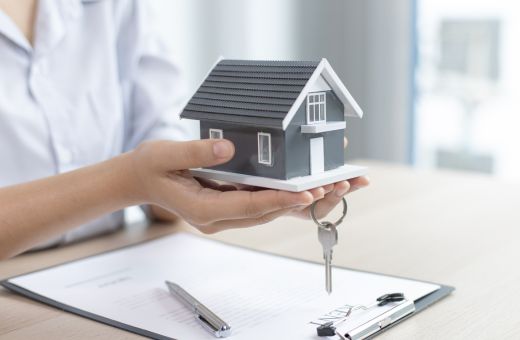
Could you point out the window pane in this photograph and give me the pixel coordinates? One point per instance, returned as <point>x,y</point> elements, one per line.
<point>264,148</point>
<point>322,111</point>
<point>215,134</point>
<point>265,155</point>
<point>311,113</point>
<point>322,97</point>
<point>311,99</point>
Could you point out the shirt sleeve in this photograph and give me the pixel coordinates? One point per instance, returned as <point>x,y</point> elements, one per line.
<point>151,82</point>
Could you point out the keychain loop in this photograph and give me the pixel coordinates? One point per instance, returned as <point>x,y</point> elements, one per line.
<point>326,224</point>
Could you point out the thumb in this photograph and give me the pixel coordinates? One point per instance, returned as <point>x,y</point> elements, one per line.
<point>199,153</point>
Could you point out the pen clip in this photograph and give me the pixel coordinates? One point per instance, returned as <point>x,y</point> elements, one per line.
<point>209,320</point>
<point>221,332</point>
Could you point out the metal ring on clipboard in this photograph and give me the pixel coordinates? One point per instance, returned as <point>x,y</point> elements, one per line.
<point>325,224</point>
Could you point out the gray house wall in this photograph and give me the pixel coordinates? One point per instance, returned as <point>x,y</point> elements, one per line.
<point>290,148</point>
<point>245,139</point>
<point>297,147</point>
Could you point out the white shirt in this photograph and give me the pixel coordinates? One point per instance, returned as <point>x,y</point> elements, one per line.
<point>97,82</point>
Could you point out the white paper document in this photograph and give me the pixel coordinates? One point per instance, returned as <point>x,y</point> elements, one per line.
<point>260,296</point>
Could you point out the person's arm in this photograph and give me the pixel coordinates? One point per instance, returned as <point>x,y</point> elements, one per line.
<point>152,174</point>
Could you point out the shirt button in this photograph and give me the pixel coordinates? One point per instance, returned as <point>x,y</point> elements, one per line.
<point>42,68</point>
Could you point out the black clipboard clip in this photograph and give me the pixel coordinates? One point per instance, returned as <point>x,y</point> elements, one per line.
<point>402,308</point>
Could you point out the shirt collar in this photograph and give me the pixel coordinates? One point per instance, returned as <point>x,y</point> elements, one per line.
<point>9,29</point>
<point>51,23</point>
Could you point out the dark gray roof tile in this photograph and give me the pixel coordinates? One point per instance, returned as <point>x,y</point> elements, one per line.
<point>268,63</point>
<point>250,91</point>
<point>259,87</point>
<point>241,105</point>
<point>258,80</point>
<point>268,75</point>
<point>243,98</point>
<point>246,120</point>
<point>234,112</point>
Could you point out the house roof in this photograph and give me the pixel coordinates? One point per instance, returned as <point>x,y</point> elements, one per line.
<point>262,93</point>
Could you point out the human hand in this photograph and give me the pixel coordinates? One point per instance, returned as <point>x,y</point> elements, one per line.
<point>330,195</point>
<point>162,179</point>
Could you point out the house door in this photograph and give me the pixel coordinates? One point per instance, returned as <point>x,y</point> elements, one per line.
<point>317,156</point>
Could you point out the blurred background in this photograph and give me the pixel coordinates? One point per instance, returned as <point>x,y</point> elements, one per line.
<point>438,80</point>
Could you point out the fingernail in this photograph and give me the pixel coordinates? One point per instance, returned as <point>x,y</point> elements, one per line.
<point>222,149</point>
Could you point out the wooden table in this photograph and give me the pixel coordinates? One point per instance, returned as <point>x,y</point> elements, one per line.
<point>453,228</point>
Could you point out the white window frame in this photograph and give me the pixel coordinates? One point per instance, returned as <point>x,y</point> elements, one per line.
<point>269,161</point>
<point>316,103</point>
<point>217,131</point>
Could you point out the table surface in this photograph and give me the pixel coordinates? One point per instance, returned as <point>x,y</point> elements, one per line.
<point>453,228</point>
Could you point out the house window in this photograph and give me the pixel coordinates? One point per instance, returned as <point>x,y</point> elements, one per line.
<point>264,148</point>
<point>316,108</point>
<point>215,134</point>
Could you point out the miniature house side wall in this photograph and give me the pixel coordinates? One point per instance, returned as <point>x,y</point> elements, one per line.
<point>245,139</point>
<point>298,144</point>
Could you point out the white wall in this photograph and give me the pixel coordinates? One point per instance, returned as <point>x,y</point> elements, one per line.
<point>368,42</point>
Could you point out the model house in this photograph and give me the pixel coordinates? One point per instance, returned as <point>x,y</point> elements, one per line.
<point>286,118</point>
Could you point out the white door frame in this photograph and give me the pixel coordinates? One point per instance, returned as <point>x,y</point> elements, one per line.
<point>317,155</point>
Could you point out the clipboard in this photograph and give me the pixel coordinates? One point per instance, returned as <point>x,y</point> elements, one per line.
<point>11,284</point>
<point>397,313</point>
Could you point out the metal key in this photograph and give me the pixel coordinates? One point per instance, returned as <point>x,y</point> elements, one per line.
<point>328,237</point>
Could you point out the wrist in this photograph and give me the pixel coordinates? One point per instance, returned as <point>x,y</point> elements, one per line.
<point>127,181</point>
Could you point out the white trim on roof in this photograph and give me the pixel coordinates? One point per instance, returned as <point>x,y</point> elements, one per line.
<point>324,69</point>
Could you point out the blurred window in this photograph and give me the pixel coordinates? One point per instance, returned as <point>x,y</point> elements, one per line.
<point>468,77</point>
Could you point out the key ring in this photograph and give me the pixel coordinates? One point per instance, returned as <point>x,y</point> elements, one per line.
<point>326,224</point>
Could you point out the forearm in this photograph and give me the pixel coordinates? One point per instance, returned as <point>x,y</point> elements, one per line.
<point>33,212</point>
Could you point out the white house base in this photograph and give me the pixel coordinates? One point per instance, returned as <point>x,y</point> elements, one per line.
<point>296,184</point>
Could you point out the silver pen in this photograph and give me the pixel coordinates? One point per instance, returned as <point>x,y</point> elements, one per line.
<point>209,320</point>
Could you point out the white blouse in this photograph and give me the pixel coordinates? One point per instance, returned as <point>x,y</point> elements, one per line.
<point>96,82</point>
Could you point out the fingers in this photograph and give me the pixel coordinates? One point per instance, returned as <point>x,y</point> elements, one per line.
<point>358,183</point>
<point>329,196</point>
<point>242,223</point>
<point>317,194</point>
<point>328,203</point>
<point>193,154</point>
<point>207,183</point>
<point>234,205</point>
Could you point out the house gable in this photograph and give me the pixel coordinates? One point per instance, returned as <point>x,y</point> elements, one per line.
<point>320,85</point>
<point>297,144</point>
<point>324,71</point>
